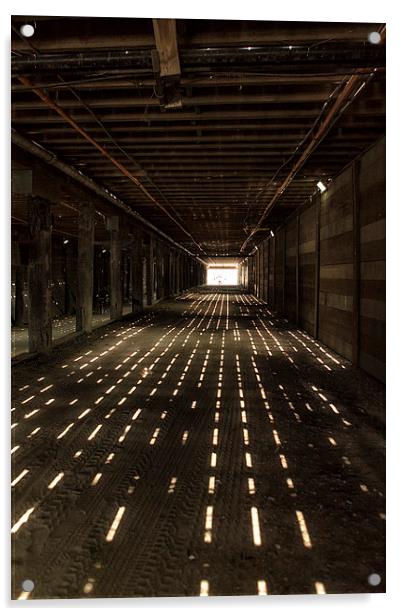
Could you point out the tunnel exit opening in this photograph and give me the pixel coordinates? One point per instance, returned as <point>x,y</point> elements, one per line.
<point>228,276</point>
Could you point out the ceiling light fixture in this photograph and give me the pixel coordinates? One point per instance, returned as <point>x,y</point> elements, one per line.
<point>321,186</point>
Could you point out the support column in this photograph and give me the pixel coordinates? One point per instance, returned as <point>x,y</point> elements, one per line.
<point>137,282</point>
<point>116,307</point>
<point>85,268</point>
<point>181,273</point>
<point>273,244</point>
<point>39,276</point>
<point>19,284</point>
<point>69,286</point>
<point>297,270</point>
<point>19,296</point>
<point>150,271</point>
<point>284,273</point>
<point>257,272</point>
<point>159,271</point>
<point>166,261</point>
<point>175,273</point>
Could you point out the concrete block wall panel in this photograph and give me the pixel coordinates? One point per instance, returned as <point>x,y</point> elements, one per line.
<point>371,190</point>
<point>290,270</point>
<point>335,321</point>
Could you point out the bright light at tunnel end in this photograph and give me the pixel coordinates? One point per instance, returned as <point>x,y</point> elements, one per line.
<point>223,276</point>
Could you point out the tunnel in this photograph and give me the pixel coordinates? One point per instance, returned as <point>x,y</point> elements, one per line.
<point>197,279</point>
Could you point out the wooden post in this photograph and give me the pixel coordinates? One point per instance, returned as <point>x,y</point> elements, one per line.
<point>261,272</point>
<point>171,272</point>
<point>274,273</point>
<point>268,257</point>
<point>356,264</point>
<point>39,276</point>
<point>85,268</point>
<point>150,271</point>
<point>284,272</point>
<point>69,279</point>
<point>157,270</point>
<point>177,277</point>
<point>137,283</point>
<point>181,272</point>
<point>19,284</point>
<point>174,273</point>
<point>297,269</point>
<point>116,307</point>
<point>19,296</point>
<point>257,269</point>
<point>317,267</point>
<point>166,270</point>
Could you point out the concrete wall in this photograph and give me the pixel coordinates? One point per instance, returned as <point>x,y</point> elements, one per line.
<point>325,268</point>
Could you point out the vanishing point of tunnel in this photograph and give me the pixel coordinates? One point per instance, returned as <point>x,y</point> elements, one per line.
<point>198,308</point>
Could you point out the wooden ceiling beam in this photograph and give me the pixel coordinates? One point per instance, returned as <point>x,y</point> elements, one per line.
<point>166,45</point>
<point>188,101</point>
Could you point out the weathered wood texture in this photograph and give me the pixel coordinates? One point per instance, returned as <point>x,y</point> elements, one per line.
<point>266,265</point>
<point>115,270</point>
<point>290,265</point>
<point>335,322</point>
<point>371,187</point>
<point>138,299</point>
<point>307,250</point>
<point>279,268</point>
<point>166,43</point>
<point>330,275</point>
<point>271,272</point>
<point>150,266</point>
<point>39,276</point>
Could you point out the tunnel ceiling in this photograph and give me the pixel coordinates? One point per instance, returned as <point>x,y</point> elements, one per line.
<point>211,130</point>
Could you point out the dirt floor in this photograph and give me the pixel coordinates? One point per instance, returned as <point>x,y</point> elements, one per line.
<point>203,447</point>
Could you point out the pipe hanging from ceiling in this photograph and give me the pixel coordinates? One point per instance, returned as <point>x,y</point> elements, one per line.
<point>60,111</point>
<point>51,159</point>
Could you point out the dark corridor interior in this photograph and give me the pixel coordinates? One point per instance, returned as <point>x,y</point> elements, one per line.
<point>198,259</point>
<point>236,456</point>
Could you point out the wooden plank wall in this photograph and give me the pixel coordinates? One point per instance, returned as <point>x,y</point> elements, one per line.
<point>335,320</point>
<point>279,268</point>
<point>265,276</point>
<point>371,184</point>
<point>271,272</point>
<point>338,242</point>
<point>290,271</point>
<point>307,250</point>
<point>261,295</point>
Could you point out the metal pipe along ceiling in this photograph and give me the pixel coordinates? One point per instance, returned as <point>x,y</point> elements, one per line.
<point>60,111</point>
